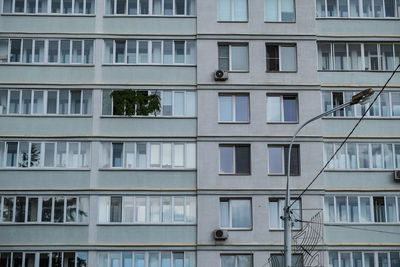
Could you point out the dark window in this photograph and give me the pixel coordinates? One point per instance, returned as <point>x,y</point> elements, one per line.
<point>116,209</point>
<point>235,159</point>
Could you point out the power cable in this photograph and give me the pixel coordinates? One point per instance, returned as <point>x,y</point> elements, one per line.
<point>347,137</point>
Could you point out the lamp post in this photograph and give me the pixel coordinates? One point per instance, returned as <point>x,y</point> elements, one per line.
<point>360,98</point>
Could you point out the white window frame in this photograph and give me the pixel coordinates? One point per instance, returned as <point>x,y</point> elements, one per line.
<point>230,56</point>
<point>282,113</point>
<point>228,200</point>
<point>280,45</point>
<point>233,111</point>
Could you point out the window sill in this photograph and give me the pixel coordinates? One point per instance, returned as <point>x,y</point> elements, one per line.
<point>42,224</point>
<point>147,65</point>
<point>46,64</point>
<point>282,122</point>
<point>234,174</point>
<point>281,229</point>
<point>43,169</point>
<point>356,18</point>
<point>279,71</point>
<point>232,21</point>
<point>145,117</point>
<point>282,174</point>
<point>147,169</point>
<point>145,224</point>
<point>147,16</point>
<point>45,116</point>
<point>237,229</point>
<point>238,71</point>
<point>365,118</point>
<point>285,22</point>
<point>233,122</point>
<point>48,15</point>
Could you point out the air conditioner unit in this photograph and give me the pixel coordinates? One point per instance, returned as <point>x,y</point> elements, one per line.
<point>221,75</point>
<point>220,234</point>
<point>397,175</point>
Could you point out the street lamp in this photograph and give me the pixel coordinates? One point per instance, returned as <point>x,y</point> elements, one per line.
<point>360,98</point>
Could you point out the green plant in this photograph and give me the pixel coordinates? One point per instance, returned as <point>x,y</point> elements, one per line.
<point>133,102</point>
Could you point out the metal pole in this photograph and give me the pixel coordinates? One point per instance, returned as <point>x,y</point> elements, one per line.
<point>286,214</point>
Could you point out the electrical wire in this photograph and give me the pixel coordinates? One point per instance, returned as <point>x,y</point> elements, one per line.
<point>347,137</point>
<point>352,227</point>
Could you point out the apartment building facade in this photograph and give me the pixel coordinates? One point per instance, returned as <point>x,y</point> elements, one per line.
<point>84,184</point>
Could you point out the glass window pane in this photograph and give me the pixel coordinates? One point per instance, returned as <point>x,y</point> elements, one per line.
<point>128,203</point>
<point>154,209</point>
<point>290,108</point>
<point>157,8</point>
<point>365,209</point>
<point>116,209</point>
<point>275,160</point>
<point>179,209</point>
<point>131,53</point>
<point>7,6</point>
<point>23,160</point>
<point>179,7</point>
<point>63,102</point>
<point>394,259</point>
<point>191,56</point>
<point>288,58</point>
<point>26,101</point>
<point>273,214</point>
<point>12,154</point>
<point>371,57</point>
<point>223,57</point>
<point>120,51</point>
<point>30,259</point>
<point>27,51</point>
<point>179,52</point>
<point>388,158</point>
<point>143,52</point>
<point>190,155</point>
<point>155,155</point>
<point>341,209</point>
<point>224,214</point>
<point>77,51</point>
<point>38,102</point>
<point>271,10</point>
<point>332,8</point>
<point>190,209</point>
<point>73,155</point>
<point>88,48</point>
<point>395,104</point>
<point>179,103</point>
<point>75,107</point>
<point>108,51</point>
<point>14,102</point>
<point>224,10</point>
<point>226,159</point>
<point>353,209</point>
<point>59,209</point>
<point>166,209</point>
<point>167,50</point>
<point>167,103</point>
<point>387,56</point>
<point>15,55</point>
<point>61,158</point>
<point>78,9</point>
<point>117,149</point>
<point>17,259</point>
<point>156,52</point>
<point>376,156</point>
<point>126,259</point>
<point>167,155</point>
<point>47,204</point>
<point>179,155</point>
<point>242,108</point>
<point>3,101</point>
<point>115,259</point>
<point>20,209</point>
<point>355,62</point>
<point>140,209</point>
<point>104,209</point>
<point>51,102</point>
<point>49,151</point>
<point>273,58</point>
<point>121,4</point>
<point>240,10</point>
<point>241,213</point>
<point>178,259</point>
<point>390,209</point>
<point>227,261</point>
<point>143,7</point>
<point>33,209</point>
<point>139,259</point>
<point>354,8</point>
<point>71,215</point>
<point>324,57</point>
<point>65,51</point>
<point>363,156</point>
<point>81,258</point>
<point>225,108</point>
<point>369,260</point>
<point>340,56</point>
<point>83,212</point>
<point>239,58</point>
<point>141,156</point>
<point>242,158</point>
<point>351,156</point>
<point>42,6</point>
<point>107,102</point>
<point>129,155</point>
<point>287,13</point>
<point>132,7</point>
<point>329,211</point>
<point>67,6</point>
